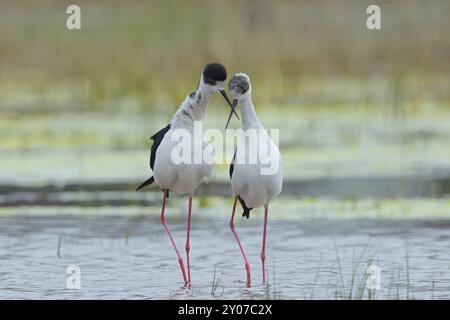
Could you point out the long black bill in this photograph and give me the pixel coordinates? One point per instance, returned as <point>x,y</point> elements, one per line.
<point>224,95</point>
<point>233,107</point>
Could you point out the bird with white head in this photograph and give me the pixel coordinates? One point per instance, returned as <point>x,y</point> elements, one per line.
<point>252,186</point>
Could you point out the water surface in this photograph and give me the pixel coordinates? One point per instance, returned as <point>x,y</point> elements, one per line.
<point>130,257</point>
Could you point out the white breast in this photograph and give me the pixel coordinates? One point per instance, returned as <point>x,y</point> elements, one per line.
<point>176,166</point>
<point>257,175</point>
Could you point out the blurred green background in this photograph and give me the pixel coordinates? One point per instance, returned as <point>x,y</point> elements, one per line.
<point>80,105</point>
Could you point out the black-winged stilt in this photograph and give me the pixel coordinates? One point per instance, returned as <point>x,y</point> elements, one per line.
<point>184,178</point>
<point>252,185</point>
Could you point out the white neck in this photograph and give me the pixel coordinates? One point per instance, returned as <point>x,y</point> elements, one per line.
<point>248,114</point>
<point>193,108</point>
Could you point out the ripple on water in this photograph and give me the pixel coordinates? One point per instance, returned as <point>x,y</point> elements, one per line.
<point>305,260</point>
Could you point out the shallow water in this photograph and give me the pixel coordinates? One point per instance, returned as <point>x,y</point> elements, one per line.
<point>131,257</point>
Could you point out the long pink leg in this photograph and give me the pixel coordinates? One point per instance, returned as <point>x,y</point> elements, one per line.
<point>263,250</point>
<point>163,220</point>
<point>188,247</point>
<point>247,265</point>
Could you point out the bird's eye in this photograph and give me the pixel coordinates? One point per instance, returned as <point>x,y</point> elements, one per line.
<point>242,89</point>
<point>210,82</point>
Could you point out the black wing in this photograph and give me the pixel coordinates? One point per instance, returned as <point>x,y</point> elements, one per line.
<point>231,169</point>
<point>157,138</point>
<point>246,209</point>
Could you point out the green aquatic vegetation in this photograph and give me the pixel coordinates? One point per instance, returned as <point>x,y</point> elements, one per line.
<point>352,286</point>
<point>316,277</point>
<point>340,280</point>
<point>271,290</point>
<point>58,250</point>
<point>355,271</point>
<point>216,283</point>
<point>97,145</point>
<point>285,208</point>
<point>408,282</point>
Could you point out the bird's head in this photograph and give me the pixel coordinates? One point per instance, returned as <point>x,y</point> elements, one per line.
<point>239,87</point>
<point>214,78</point>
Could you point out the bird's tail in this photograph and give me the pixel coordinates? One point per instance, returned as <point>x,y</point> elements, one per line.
<point>247,210</point>
<point>147,182</point>
<point>246,213</point>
